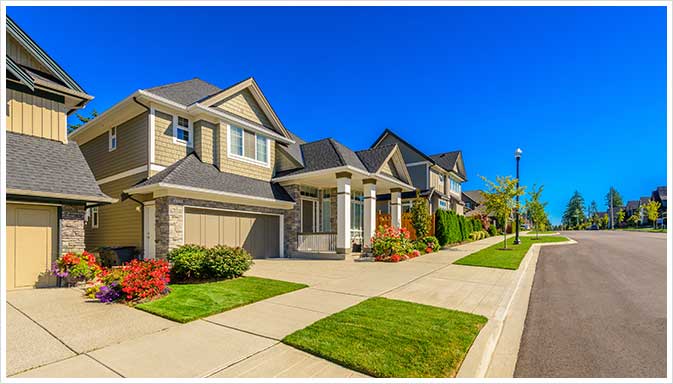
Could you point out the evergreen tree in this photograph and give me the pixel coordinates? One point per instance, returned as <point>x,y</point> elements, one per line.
<point>574,216</point>
<point>82,120</point>
<point>420,216</point>
<point>617,201</point>
<point>441,227</point>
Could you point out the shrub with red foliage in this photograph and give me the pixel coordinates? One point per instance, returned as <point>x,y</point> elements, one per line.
<point>145,279</point>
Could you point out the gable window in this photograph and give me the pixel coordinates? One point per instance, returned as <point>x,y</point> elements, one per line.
<point>182,131</point>
<point>455,186</point>
<point>248,146</point>
<point>112,139</point>
<point>94,217</point>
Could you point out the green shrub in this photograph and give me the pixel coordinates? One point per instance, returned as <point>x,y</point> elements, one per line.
<point>492,230</point>
<point>442,227</point>
<point>428,242</point>
<point>454,228</point>
<point>188,262</point>
<point>464,234</point>
<point>224,262</point>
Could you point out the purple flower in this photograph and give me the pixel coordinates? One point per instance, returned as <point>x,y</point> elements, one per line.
<point>108,293</point>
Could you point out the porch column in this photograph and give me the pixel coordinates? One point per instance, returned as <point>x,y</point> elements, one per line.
<point>370,212</point>
<point>343,212</point>
<point>396,207</point>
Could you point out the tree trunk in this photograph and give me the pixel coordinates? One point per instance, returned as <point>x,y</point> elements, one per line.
<point>505,234</point>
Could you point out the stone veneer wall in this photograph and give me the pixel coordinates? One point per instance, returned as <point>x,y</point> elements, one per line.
<point>72,228</point>
<point>292,224</point>
<point>169,221</point>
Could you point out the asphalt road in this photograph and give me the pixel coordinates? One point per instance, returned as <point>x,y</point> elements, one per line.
<point>598,308</point>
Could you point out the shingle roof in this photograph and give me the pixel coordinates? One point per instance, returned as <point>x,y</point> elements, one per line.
<point>41,165</point>
<point>294,150</point>
<point>662,192</point>
<point>632,204</point>
<point>447,160</point>
<point>644,200</point>
<point>475,196</point>
<point>373,158</point>
<point>325,154</point>
<point>185,92</point>
<point>192,172</point>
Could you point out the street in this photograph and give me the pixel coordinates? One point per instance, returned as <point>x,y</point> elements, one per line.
<point>598,308</point>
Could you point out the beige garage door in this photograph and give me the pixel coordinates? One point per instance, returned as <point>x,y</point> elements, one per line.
<point>32,235</point>
<point>258,234</point>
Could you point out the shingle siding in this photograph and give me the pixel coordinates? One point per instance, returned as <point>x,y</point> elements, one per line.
<point>243,104</point>
<point>166,151</point>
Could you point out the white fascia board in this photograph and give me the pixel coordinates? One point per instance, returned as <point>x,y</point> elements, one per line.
<point>395,181</point>
<point>305,175</point>
<point>102,116</point>
<point>67,196</point>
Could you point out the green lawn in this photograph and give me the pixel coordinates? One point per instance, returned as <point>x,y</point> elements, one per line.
<point>392,338</point>
<point>495,257</point>
<point>188,302</point>
<point>533,233</point>
<point>658,230</point>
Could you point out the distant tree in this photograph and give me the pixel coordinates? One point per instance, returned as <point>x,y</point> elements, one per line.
<point>420,216</point>
<point>634,219</point>
<point>499,199</point>
<point>574,213</point>
<point>652,210</point>
<point>620,216</point>
<point>593,208</point>
<point>82,120</point>
<point>617,201</point>
<point>535,210</point>
<point>605,220</point>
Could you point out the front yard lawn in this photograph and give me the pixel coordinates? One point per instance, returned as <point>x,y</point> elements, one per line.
<point>392,338</point>
<point>495,257</point>
<point>188,302</point>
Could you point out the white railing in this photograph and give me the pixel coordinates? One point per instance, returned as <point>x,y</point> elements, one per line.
<point>316,241</point>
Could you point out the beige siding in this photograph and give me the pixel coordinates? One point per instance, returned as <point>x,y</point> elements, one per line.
<point>120,224</point>
<point>35,116</point>
<point>21,56</point>
<point>131,149</point>
<point>166,151</point>
<point>390,169</point>
<point>283,161</point>
<point>240,167</point>
<point>243,104</point>
<point>204,135</point>
<point>434,181</point>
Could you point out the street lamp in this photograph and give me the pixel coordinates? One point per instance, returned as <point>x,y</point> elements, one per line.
<point>517,155</point>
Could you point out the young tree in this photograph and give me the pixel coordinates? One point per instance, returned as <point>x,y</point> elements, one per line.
<point>620,216</point>
<point>420,216</point>
<point>574,213</point>
<point>535,209</point>
<point>634,219</point>
<point>499,199</point>
<point>652,210</point>
<point>605,220</point>
<point>82,120</point>
<point>593,208</point>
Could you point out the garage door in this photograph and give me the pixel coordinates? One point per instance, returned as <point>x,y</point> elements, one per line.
<point>257,234</point>
<point>32,235</point>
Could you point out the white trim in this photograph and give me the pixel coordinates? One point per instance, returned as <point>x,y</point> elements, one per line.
<point>25,192</point>
<point>121,175</point>
<point>34,203</point>
<point>95,213</point>
<point>110,136</point>
<point>151,122</point>
<point>244,158</point>
<point>281,236</point>
<point>157,167</point>
<point>416,163</point>
<point>65,127</point>
<point>340,169</point>
<point>189,128</point>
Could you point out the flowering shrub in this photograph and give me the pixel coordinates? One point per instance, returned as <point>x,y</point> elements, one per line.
<point>390,241</point>
<point>145,279</point>
<point>109,293</point>
<point>76,267</point>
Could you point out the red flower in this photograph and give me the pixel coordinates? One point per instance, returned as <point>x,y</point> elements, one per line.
<point>428,250</point>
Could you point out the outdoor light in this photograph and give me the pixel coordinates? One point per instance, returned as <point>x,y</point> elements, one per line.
<point>517,156</point>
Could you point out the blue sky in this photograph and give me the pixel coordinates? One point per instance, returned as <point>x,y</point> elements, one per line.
<point>582,90</point>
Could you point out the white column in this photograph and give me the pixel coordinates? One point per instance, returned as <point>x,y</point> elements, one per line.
<point>396,207</point>
<point>370,212</point>
<point>343,212</point>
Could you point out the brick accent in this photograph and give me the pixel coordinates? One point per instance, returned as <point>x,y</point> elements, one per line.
<point>72,228</point>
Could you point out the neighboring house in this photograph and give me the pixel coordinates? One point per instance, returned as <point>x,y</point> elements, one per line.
<point>660,194</point>
<point>193,163</point>
<point>49,184</point>
<point>472,200</point>
<point>437,177</point>
<point>631,207</point>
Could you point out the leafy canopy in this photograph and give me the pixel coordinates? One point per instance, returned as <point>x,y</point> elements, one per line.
<point>499,199</point>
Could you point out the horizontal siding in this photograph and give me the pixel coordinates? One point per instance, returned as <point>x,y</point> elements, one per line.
<point>243,104</point>
<point>166,151</point>
<point>120,224</point>
<point>131,149</point>
<point>35,116</point>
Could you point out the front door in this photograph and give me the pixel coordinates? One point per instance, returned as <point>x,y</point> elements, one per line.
<point>309,214</point>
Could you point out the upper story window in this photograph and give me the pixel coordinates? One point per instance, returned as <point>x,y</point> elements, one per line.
<point>440,178</point>
<point>182,132</point>
<point>248,146</point>
<point>112,139</point>
<point>455,186</point>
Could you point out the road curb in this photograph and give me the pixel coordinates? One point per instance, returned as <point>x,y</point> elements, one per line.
<point>488,356</point>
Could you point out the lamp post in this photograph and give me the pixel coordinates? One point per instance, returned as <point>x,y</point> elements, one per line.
<point>517,155</point>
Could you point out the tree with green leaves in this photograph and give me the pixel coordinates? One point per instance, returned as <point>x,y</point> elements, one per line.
<point>605,220</point>
<point>573,216</point>
<point>652,211</point>
<point>593,208</point>
<point>442,227</point>
<point>535,209</point>
<point>82,120</point>
<point>620,216</point>
<point>499,199</point>
<point>616,197</point>
<point>634,219</point>
<point>420,216</point>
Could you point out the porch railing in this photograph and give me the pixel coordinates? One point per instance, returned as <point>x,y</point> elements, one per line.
<point>316,241</point>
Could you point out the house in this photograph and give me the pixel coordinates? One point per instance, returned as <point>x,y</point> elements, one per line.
<point>191,162</point>
<point>660,194</point>
<point>49,184</point>
<point>438,178</point>
<point>632,206</point>
<point>472,200</point>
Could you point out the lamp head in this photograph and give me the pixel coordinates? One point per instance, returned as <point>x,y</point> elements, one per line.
<point>518,153</point>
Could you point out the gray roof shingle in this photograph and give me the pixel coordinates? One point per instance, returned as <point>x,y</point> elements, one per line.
<point>373,158</point>
<point>447,160</point>
<point>632,204</point>
<point>294,150</point>
<point>192,172</point>
<point>325,154</point>
<point>185,92</point>
<point>475,196</point>
<point>42,165</point>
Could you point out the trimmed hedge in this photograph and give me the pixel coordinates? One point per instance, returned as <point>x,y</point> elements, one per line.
<point>194,262</point>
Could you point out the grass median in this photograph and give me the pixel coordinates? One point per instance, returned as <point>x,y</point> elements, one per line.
<point>391,338</point>
<point>497,257</point>
<point>188,302</point>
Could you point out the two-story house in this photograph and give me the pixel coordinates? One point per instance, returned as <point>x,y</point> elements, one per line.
<point>49,184</point>
<point>661,195</point>
<point>437,177</point>
<point>193,163</point>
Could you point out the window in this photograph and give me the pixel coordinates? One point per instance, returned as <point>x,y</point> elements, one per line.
<point>442,204</point>
<point>94,217</point>
<point>248,146</point>
<point>455,186</point>
<point>406,206</point>
<point>326,213</point>
<point>112,139</point>
<point>441,180</point>
<point>183,130</point>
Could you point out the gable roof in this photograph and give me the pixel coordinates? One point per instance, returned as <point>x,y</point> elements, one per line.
<point>185,92</point>
<point>451,161</point>
<point>661,192</point>
<point>644,200</point>
<point>387,132</point>
<point>474,195</point>
<point>191,172</point>
<point>374,158</point>
<point>41,56</point>
<point>58,171</point>
<point>294,149</point>
<point>632,204</point>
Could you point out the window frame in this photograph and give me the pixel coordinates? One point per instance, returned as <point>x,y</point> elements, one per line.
<point>243,157</point>
<point>95,218</point>
<point>110,137</point>
<point>189,129</point>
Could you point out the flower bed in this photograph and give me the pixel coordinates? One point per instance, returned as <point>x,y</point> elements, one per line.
<point>391,244</point>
